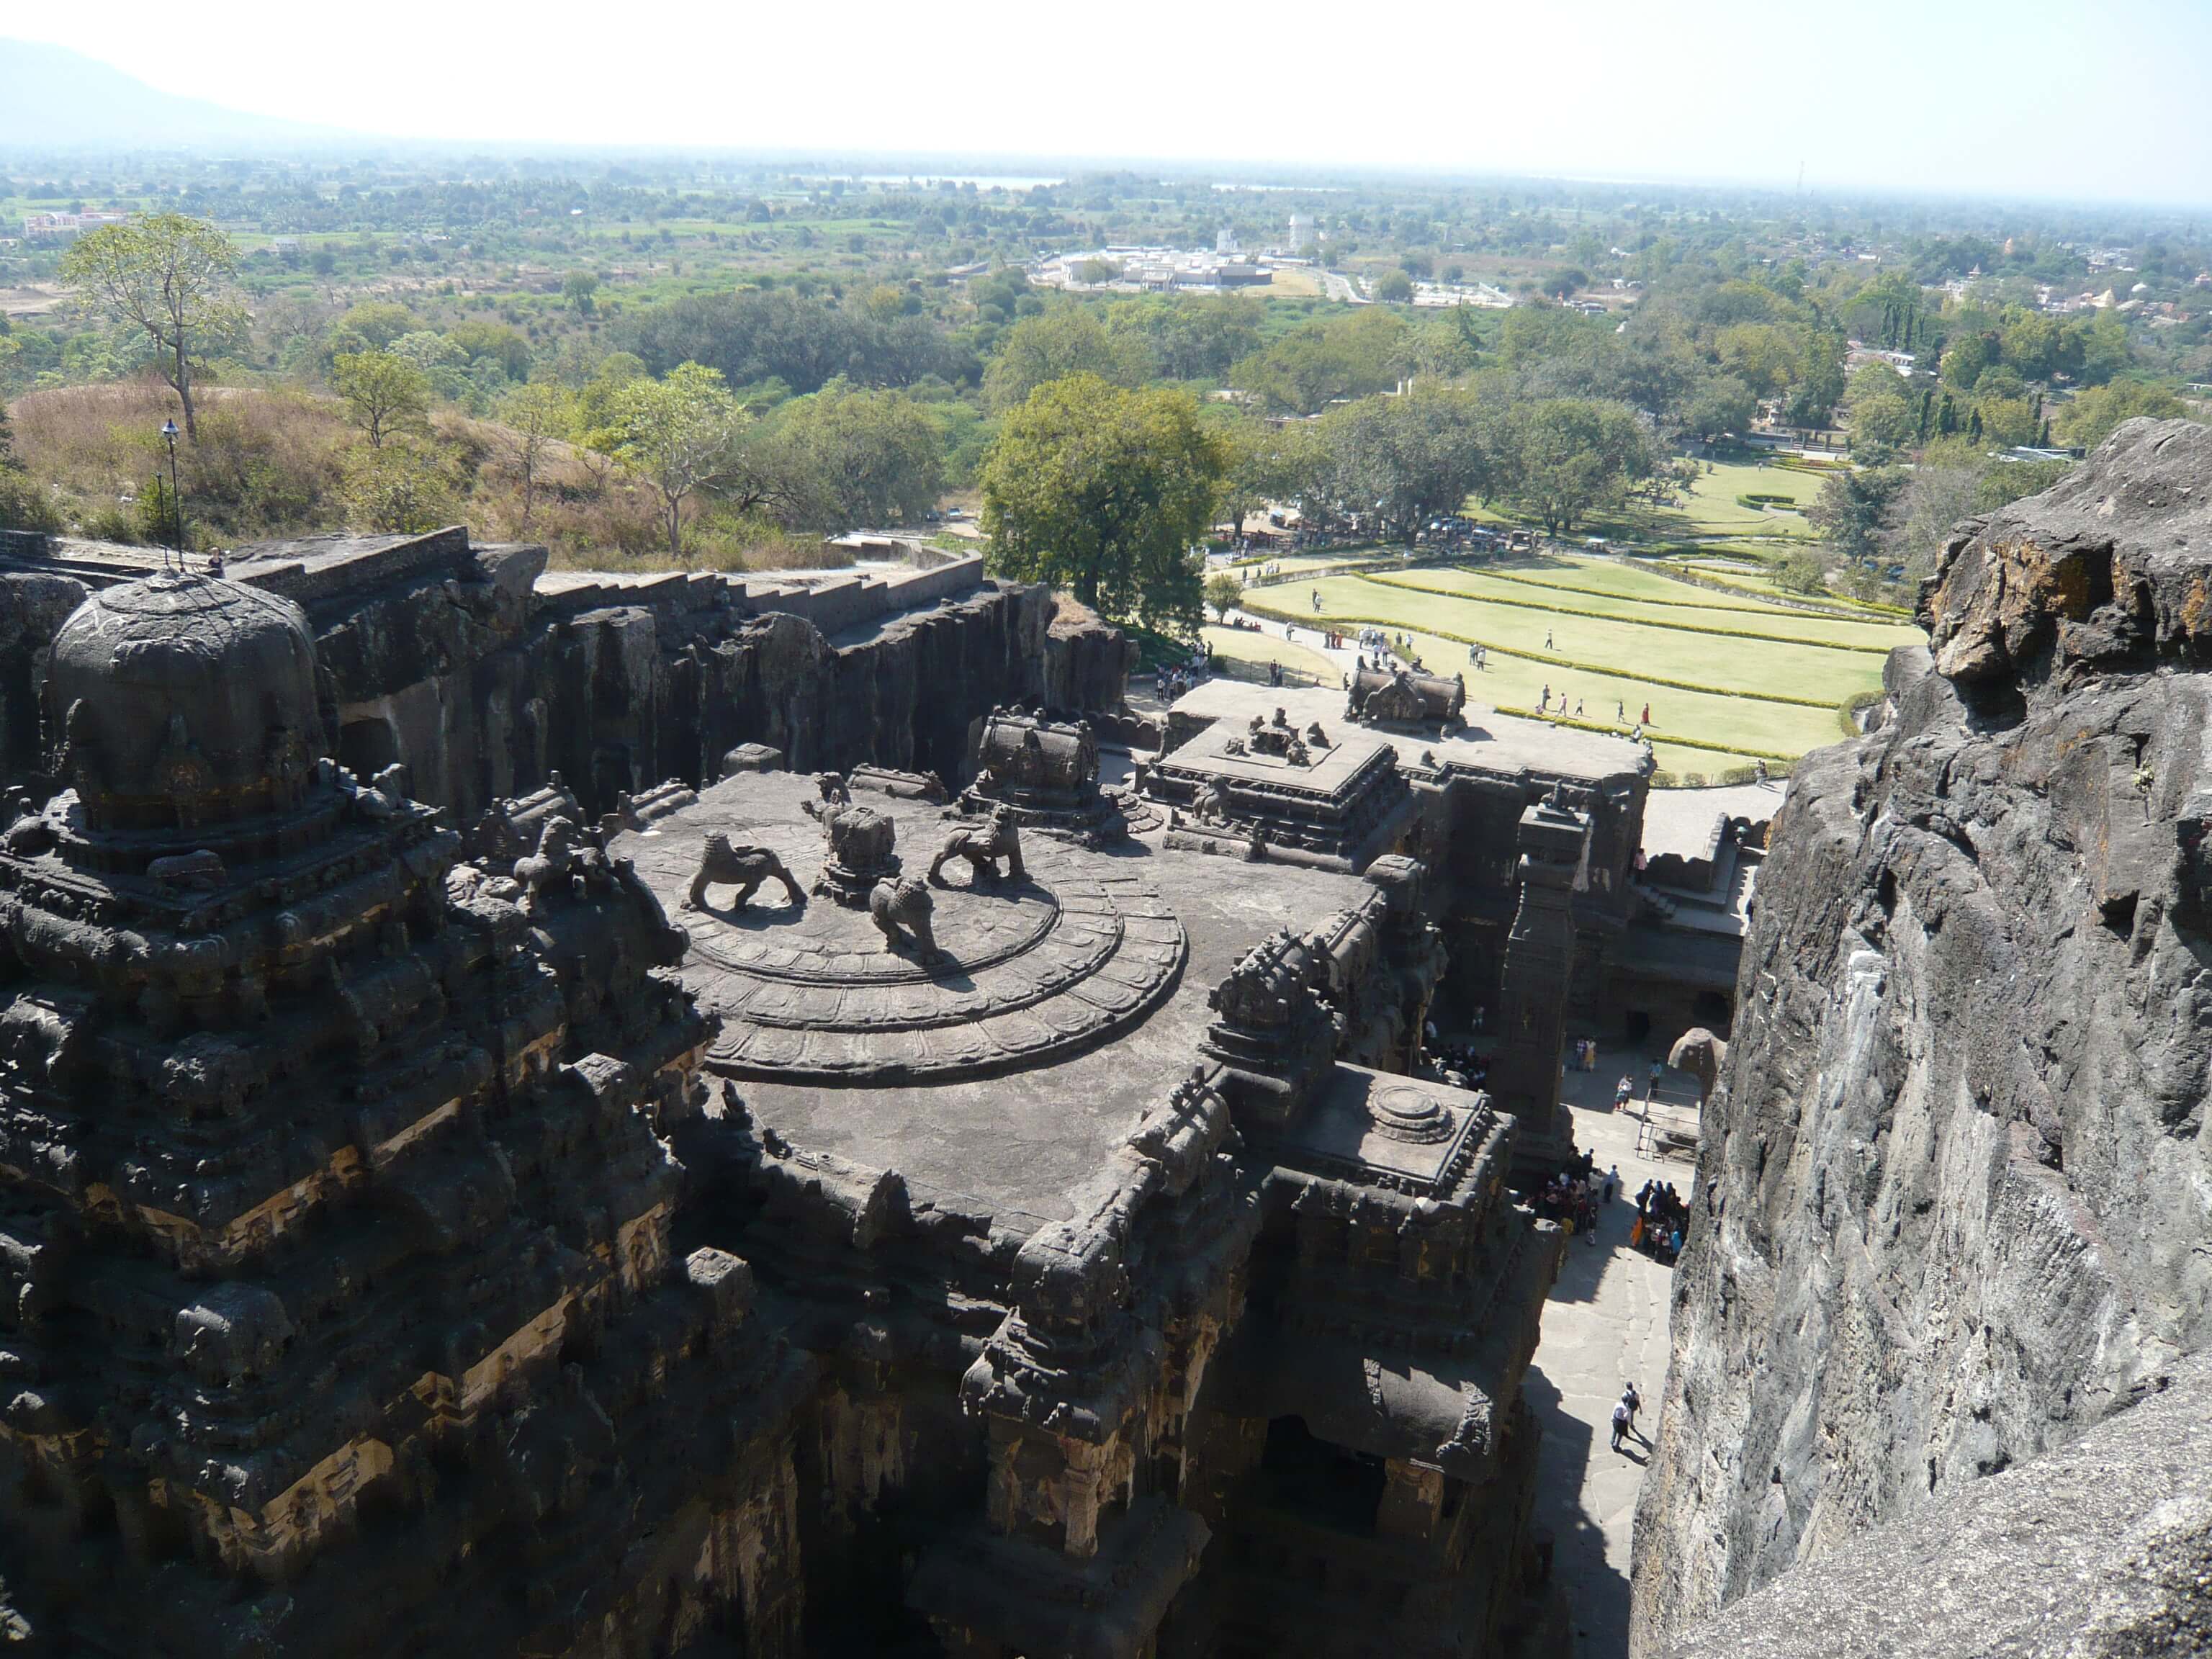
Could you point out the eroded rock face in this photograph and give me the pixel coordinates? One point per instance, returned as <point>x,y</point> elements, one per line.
<point>2099,1551</point>
<point>2107,569</point>
<point>1957,1152</point>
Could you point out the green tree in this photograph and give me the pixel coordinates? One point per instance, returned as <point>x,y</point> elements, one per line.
<point>1852,506</point>
<point>497,341</point>
<point>1819,384</point>
<point>167,278</point>
<point>405,485</point>
<point>1263,462</point>
<point>375,324</point>
<point>1394,287</point>
<point>858,457</point>
<point>385,393</point>
<point>1408,459</point>
<point>1883,419</point>
<point>580,291</point>
<point>1223,593</point>
<point>1196,339</point>
<point>1071,340</point>
<point>678,436</point>
<point>2095,414</point>
<point>1722,402</point>
<point>1104,490</point>
<point>1763,355</point>
<point>1564,457</point>
<point>1800,573</point>
<point>1349,355</point>
<point>537,417</point>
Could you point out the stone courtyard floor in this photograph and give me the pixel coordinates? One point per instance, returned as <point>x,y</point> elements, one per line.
<point>1606,1326</point>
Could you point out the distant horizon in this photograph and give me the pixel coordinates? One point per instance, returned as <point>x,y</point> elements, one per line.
<point>1892,101</point>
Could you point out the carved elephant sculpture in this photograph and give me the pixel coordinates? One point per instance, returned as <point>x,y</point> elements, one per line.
<point>901,909</point>
<point>1702,1054</point>
<point>983,848</point>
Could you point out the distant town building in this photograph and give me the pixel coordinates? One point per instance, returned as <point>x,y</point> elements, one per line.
<point>1226,241</point>
<point>66,227</point>
<point>1302,231</point>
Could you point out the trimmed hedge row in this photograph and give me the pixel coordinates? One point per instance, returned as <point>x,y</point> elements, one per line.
<point>1544,656</point>
<point>1847,711</point>
<point>1830,608</point>
<point>1624,599</point>
<point>1652,731</point>
<point>1631,622</point>
<point>1735,775</point>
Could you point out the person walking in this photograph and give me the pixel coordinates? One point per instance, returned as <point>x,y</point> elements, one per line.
<point>1622,1418</point>
<point>1646,721</point>
<point>1547,639</point>
<point>1632,1403</point>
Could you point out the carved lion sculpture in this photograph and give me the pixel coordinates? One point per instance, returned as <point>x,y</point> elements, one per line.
<point>742,867</point>
<point>901,909</point>
<point>536,870</point>
<point>1702,1054</point>
<point>983,848</point>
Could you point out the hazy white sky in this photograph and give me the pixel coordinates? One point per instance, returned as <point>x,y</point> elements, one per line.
<point>2074,100</point>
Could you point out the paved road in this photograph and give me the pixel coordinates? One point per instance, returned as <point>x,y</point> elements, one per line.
<point>1342,289</point>
<point>1605,1327</point>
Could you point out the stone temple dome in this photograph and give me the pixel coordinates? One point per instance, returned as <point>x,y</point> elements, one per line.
<point>184,701</point>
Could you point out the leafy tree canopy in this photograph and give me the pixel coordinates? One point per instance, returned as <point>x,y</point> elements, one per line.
<point>1104,491</point>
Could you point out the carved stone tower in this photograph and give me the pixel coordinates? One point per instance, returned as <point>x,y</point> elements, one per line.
<point>334,1207</point>
<point>1540,960</point>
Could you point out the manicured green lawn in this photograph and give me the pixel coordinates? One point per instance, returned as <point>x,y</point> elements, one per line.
<point>1609,664</point>
<point>1244,646</point>
<point>1684,607</point>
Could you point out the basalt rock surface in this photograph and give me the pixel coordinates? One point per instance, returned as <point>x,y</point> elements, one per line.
<point>1957,1195</point>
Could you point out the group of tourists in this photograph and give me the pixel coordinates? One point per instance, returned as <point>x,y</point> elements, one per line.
<point>1391,651</point>
<point>1178,678</point>
<point>1661,1215</point>
<point>1457,1064</point>
<point>1576,1194</point>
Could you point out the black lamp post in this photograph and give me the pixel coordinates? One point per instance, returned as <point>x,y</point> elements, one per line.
<point>176,501</point>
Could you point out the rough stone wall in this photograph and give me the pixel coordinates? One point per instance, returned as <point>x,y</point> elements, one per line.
<point>1959,1152</point>
<point>2115,1563</point>
<point>455,660</point>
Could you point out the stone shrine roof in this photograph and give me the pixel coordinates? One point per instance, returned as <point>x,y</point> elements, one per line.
<point>1487,741</point>
<point>179,696</point>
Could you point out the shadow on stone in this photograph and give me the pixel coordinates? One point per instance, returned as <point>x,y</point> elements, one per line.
<point>1596,1592</point>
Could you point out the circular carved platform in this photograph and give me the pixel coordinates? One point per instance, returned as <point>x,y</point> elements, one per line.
<point>1066,958</point>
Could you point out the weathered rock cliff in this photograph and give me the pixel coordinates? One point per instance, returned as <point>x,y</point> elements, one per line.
<point>1958,1198</point>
